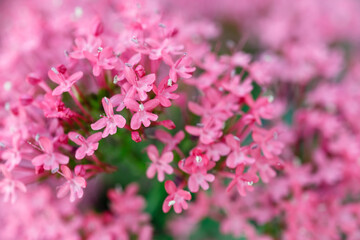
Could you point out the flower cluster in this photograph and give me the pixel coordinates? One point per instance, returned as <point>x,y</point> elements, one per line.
<point>245,115</point>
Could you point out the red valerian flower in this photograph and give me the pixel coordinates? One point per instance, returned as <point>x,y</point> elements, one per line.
<point>160,164</point>
<point>73,184</point>
<point>65,83</point>
<point>177,198</point>
<point>238,155</point>
<point>111,121</point>
<point>87,146</point>
<point>242,181</point>
<point>50,160</point>
<point>105,59</point>
<point>142,112</point>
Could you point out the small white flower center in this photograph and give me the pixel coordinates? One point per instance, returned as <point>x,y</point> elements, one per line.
<point>7,106</point>
<point>54,70</point>
<point>198,159</point>
<point>78,12</point>
<point>236,138</point>
<point>141,107</point>
<point>250,183</point>
<point>115,79</point>
<point>169,83</point>
<point>172,202</point>
<point>100,49</point>
<point>7,86</point>
<point>270,98</point>
<point>134,40</point>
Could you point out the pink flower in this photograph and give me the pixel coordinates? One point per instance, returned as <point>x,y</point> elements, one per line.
<point>260,108</point>
<point>215,150</point>
<point>159,164</point>
<point>111,121</point>
<point>141,85</point>
<point>9,186</point>
<point>73,184</point>
<point>53,107</point>
<point>177,198</point>
<point>65,83</point>
<point>208,133</point>
<point>166,138</point>
<point>91,45</point>
<point>50,160</point>
<point>197,161</point>
<point>105,59</point>
<point>242,181</point>
<point>87,146</point>
<point>268,141</point>
<point>237,88</point>
<point>181,68</point>
<point>164,92</point>
<point>12,156</point>
<point>200,178</point>
<point>238,155</point>
<point>142,114</point>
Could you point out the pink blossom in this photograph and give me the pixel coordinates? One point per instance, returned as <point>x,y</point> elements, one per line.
<point>260,108</point>
<point>164,92</point>
<point>238,154</point>
<point>12,156</point>
<point>142,113</point>
<point>242,181</point>
<point>111,121</point>
<point>237,88</point>
<point>200,178</point>
<point>87,146</point>
<point>50,159</point>
<point>9,186</point>
<point>142,84</point>
<point>90,45</point>
<point>215,150</point>
<point>268,141</point>
<point>73,184</point>
<point>160,164</point>
<point>170,141</point>
<point>65,83</point>
<point>104,59</point>
<point>181,68</point>
<point>208,133</point>
<point>177,198</point>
